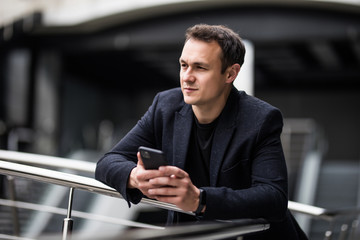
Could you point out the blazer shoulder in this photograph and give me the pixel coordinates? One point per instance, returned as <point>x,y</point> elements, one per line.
<point>170,99</point>
<point>254,111</point>
<point>253,103</point>
<point>171,94</point>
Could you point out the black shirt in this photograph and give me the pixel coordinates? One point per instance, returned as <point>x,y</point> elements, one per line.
<point>198,157</point>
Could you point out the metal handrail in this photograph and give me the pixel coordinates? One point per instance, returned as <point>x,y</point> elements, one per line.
<point>208,230</point>
<point>224,229</point>
<point>201,231</point>
<point>92,185</point>
<point>307,209</point>
<point>11,167</point>
<point>48,161</point>
<point>72,181</point>
<point>75,213</point>
<point>323,213</point>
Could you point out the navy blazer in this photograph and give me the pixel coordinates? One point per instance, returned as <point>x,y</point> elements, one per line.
<point>248,175</point>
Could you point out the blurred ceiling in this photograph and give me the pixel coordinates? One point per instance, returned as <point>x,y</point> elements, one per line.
<point>299,44</point>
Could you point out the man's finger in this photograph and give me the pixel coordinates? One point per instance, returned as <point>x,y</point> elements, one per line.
<point>140,162</point>
<point>173,172</point>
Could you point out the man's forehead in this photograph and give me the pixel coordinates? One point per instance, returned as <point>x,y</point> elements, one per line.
<point>200,51</point>
<point>209,44</point>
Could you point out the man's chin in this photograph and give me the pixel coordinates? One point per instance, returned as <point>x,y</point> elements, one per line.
<point>189,100</point>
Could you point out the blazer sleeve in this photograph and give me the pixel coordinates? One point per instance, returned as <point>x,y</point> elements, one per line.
<point>266,195</point>
<point>114,167</point>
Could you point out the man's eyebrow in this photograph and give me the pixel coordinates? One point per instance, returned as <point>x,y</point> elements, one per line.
<point>195,63</point>
<point>203,64</point>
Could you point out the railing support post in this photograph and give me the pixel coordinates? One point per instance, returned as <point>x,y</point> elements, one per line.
<point>68,222</point>
<point>354,227</point>
<point>343,232</point>
<point>14,211</point>
<point>328,235</point>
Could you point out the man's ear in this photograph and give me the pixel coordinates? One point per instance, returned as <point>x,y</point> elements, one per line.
<point>233,72</point>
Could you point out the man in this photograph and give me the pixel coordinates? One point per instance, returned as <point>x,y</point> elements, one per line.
<point>223,146</point>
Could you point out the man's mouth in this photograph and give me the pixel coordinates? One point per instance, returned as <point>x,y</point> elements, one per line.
<point>189,89</point>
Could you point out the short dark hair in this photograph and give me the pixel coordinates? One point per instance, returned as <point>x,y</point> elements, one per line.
<point>233,49</point>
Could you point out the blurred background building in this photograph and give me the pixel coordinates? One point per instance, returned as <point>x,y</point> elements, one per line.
<point>75,76</point>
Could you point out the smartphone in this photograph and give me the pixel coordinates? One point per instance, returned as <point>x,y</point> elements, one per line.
<point>152,158</point>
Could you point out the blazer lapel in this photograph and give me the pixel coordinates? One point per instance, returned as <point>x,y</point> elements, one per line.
<point>223,134</point>
<point>182,131</point>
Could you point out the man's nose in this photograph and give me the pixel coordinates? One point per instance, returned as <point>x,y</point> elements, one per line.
<point>188,75</point>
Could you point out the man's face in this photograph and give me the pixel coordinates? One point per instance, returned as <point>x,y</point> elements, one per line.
<point>201,80</point>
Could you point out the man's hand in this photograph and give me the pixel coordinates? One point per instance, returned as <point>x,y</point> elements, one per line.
<point>174,186</point>
<point>167,184</point>
<point>140,177</point>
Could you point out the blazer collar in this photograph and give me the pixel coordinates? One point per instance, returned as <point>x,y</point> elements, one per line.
<point>182,132</point>
<point>222,136</point>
